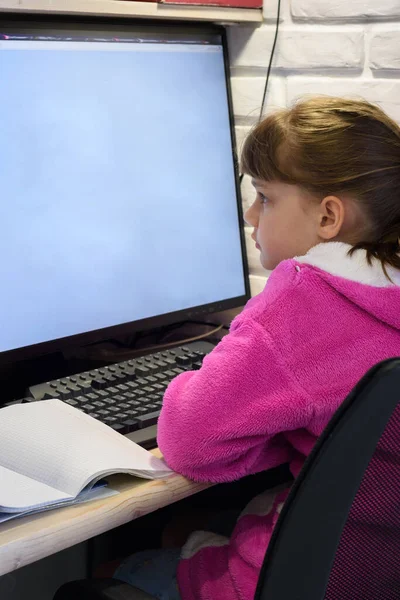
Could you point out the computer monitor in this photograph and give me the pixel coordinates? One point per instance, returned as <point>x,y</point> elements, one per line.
<point>120,204</point>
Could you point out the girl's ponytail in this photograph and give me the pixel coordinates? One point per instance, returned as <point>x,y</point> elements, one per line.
<point>386,249</point>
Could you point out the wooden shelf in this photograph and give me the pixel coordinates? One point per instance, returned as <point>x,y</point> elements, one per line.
<point>126,8</point>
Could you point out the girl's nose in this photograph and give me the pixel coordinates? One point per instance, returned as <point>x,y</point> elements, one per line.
<point>251,217</point>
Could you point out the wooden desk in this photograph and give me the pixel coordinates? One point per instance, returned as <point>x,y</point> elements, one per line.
<point>26,540</point>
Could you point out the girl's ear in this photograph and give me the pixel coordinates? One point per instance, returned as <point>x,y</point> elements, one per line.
<point>331,217</point>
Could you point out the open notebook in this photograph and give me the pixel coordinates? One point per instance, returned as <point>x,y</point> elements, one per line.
<point>53,454</point>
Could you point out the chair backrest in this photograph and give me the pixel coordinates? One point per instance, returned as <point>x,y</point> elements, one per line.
<point>338,535</point>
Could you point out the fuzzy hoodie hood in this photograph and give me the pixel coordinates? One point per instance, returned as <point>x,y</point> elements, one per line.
<point>376,293</point>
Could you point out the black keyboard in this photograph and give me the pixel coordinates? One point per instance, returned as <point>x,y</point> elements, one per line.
<point>127,396</point>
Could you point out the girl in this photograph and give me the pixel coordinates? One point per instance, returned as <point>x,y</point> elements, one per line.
<point>326,219</point>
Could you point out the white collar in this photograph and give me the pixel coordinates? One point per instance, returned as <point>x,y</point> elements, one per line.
<point>334,258</point>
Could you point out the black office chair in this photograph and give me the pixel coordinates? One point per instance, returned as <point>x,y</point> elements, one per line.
<point>338,535</point>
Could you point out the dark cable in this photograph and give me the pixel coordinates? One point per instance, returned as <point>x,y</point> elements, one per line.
<point>271,58</point>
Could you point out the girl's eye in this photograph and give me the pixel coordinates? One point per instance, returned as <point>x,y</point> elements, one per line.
<point>263,199</point>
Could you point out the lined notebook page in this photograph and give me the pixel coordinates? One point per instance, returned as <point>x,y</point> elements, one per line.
<point>59,446</point>
<point>19,492</point>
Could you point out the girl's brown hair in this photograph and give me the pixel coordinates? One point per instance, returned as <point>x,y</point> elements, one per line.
<point>334,146</point>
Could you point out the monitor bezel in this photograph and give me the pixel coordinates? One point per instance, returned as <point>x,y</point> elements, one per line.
<point>63,23</point>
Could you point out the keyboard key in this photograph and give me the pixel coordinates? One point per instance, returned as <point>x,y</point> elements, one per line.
<point>88,407</point>
<point>183,360</point>
<point>119,398</point>
<point>119,427</point>
<point>109,420</point>
<point>152,366</point>
<point>141,371</point>
<point>148,389</point>
<point>122,387</point>
<point>51,395</point>
<point>119,377</point>
<point>75,390</point>
<point>112,390</point>
<point>163,364</point>
<point>159,386</point>
<point>72,402</point>
<point>130,372</point>
<point>103,412</point>
<point>132,385</point>
<point>170,361</point>
<point>130,425</point>
<point>99,404</point>
<point>147,420</point>
<point>99,384</point>
<point>84,386</point>
<point>161,376</point>
<point>121,416</point>
<point>134,403</point>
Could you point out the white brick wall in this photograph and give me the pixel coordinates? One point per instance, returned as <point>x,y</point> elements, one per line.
<point>344,10</point>
<point>337,47</point>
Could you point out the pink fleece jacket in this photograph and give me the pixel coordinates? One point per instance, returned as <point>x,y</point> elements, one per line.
<point>267,391</point>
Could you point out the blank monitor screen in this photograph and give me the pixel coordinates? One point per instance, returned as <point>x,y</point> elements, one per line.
<point>117,178</point>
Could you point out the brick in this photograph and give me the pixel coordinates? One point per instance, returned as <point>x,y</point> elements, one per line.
<point>257,283</point>
<point>240,133</point>
<point>384,92</point>
<point>338,10</point>
<point>303,47</point>
<point>247,95</point>
<point>270,11</point>
<point>248,193</point>
<point>385,51</point>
